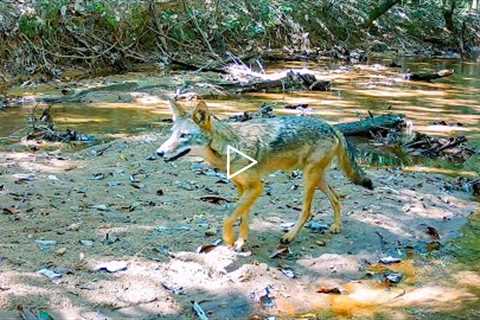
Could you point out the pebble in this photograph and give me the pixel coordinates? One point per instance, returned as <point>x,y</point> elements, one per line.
<point>61,251</point>
<point>389,260</point>
<point>100,207</point>
<point>87,243</point>
<point>211,231</point>
<point>394,277</point>
<point>321,243</point>
<point>45,245</point>
<point>112,266</point>
<point>317,227</point>
<point>52,275</point>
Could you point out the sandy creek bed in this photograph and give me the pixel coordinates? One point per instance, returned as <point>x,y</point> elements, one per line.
<point>155,233</point>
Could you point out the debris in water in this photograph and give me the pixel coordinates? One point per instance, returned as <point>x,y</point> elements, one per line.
<point>43,128</point>
<point>296,106</point>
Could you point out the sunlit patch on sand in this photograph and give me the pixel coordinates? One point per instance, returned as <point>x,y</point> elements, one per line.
<point>367,300</point>
<point>450,172</point>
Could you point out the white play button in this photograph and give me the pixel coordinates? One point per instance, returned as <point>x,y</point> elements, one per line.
<point>231,149</point>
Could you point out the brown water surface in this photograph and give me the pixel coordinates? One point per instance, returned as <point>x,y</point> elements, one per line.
<point>356,90</point>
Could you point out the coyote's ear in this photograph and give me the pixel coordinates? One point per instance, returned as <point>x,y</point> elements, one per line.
<point>177,110</point>
<point>201,116</point>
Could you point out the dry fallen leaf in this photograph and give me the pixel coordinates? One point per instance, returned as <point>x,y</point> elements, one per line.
<point>214,199</point>
<point>325,290</point>
<point>206,248</point>
<point>10,211</point>
<point>281,251</point>
<point>432,232</point>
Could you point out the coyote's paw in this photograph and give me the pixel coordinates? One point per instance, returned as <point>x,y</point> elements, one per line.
<point>335,228</point>
<point>238,246</point>
<point>288,237</point>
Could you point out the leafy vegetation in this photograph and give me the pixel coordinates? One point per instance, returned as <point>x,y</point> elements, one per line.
<point>45,35</point>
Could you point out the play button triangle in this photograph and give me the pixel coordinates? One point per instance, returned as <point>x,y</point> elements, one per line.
<point>231,150</point>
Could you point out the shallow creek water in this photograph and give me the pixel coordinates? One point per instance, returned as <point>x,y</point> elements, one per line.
<point>356,91</point>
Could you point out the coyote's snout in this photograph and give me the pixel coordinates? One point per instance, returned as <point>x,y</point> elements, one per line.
<point>280,143</point>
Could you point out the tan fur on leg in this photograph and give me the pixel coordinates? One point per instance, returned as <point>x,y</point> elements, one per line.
<point>251,191</point>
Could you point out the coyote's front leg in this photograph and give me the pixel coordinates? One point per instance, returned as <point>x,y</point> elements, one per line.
<point>250,191</point>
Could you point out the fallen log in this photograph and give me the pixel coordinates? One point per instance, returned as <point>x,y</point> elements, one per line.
<point>429,76</point>
<point>366,127</point>
<point>292,81</point>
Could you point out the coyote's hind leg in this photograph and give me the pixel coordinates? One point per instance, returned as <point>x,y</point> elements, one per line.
<point>335,203</point>
<point>311,178</point>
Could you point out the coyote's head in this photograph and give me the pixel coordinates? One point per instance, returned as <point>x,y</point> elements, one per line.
<point>190,132</point>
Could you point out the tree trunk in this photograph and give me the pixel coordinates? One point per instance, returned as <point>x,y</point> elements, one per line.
<point>380,10</point>
<point>448,15</point>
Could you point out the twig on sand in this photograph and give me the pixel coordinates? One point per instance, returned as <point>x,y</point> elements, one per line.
<point>199,311</point>
<point>382,240</point>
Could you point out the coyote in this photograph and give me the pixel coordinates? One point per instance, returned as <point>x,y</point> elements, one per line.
<point>278,143</point>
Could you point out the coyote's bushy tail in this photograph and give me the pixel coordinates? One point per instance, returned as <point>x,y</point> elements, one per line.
<point>349,166</point>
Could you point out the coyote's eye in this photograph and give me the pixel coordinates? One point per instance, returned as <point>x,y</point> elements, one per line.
<point>184,135</point>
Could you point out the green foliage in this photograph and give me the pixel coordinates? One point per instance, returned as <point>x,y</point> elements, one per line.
<point>197,27</point>
<point>104,13</point>
<point>30,26</point>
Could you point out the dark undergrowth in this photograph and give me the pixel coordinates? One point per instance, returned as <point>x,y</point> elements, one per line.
<point>46,37</point>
